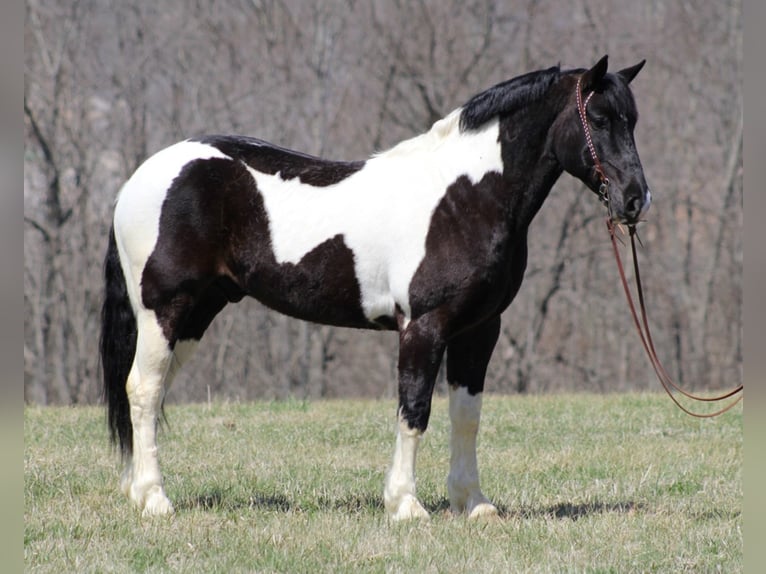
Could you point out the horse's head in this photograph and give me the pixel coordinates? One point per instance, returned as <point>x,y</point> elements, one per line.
<point>594,140</point>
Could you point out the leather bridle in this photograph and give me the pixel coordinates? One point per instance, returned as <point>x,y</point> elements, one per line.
<point>603,188</point>
<point>642,325</point>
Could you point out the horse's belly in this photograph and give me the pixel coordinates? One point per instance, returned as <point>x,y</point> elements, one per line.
<point>325,286</point>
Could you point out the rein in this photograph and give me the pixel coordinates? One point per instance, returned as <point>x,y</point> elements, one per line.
<point>646,336</point>
<point>642,325</point>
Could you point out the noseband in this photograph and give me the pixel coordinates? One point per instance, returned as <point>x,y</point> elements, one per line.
<point>642,326</point>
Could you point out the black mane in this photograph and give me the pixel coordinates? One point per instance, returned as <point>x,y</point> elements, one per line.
<point>506,97</point>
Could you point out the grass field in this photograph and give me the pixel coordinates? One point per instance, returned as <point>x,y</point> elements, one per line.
<point>584,483</point>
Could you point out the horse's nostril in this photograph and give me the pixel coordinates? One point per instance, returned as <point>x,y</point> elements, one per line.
<point>633,207</point>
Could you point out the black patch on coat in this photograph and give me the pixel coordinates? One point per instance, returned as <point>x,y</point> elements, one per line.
<point>473,264</point>
<point>268,158</point>
<point>214,247</point>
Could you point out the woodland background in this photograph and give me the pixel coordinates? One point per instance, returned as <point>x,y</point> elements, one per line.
<point>108,83</point>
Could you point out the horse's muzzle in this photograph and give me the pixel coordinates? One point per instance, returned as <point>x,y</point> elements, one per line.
<point>633,208</point>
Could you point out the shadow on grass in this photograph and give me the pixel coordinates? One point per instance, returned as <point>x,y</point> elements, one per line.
<point>571,511</point>
<point>560,511</point>
<point>365,502</point>
<point>220,499</point>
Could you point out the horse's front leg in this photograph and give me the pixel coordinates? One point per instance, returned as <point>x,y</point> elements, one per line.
<point>421,348</point>
<point>467,359</point>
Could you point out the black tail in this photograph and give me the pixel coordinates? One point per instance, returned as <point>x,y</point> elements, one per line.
<point>118,346</point>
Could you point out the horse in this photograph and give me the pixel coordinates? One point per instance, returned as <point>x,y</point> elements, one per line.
<point>428,239</point>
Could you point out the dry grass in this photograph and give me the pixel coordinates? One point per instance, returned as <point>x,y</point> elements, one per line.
<point>584,483</point>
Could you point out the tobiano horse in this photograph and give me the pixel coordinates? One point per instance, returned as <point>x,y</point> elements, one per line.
<point>428,239</point>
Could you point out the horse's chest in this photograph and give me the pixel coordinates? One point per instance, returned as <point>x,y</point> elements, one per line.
<point>475,271</point>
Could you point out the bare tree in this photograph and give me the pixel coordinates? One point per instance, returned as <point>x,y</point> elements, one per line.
<point>108,84</point>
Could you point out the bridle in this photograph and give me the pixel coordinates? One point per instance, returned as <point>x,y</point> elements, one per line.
<point>642,326</point>
<point>603,188</point>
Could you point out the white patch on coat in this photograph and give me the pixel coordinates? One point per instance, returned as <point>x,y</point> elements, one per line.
<point>463,481</point>
<point>139,204</point>
<point>383,211</point>
<point>399,493</point>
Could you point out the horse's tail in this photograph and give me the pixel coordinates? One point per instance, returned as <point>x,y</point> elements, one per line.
<point>118,347</point>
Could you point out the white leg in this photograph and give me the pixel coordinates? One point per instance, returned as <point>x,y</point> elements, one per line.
<point>399,492</point>
<point>141,479</point>
<point>183,350</point>
<point>463,480</point>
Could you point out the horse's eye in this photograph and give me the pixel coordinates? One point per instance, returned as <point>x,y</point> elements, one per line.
<point>599,121</point>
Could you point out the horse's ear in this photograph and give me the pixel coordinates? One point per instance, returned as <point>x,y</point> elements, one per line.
<point>629,73</point>
<point>592,78</point>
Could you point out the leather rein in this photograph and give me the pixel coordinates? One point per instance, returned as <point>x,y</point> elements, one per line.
<point>642,325</point>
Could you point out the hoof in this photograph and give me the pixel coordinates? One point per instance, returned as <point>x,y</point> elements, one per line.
<point>156,504</point>
<point>409,509</point>
<point>483,510</point>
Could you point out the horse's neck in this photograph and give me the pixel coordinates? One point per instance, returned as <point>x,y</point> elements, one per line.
<point>529,167</point>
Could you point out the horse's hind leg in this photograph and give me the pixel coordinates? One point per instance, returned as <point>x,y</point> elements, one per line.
<point>153,366</point>
<point>156,362</point>
<point>467,359</point>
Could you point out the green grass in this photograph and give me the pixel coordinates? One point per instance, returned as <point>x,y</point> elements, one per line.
<point>584,483</point>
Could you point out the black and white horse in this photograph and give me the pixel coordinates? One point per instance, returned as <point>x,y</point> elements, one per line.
<point>428,239</point>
